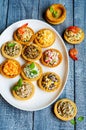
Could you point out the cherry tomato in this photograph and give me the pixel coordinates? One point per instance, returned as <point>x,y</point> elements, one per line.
<point>72,53</point>
<point>74,29</point>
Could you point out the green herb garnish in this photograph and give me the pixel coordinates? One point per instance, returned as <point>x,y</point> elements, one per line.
<point>11,44</point>
<point>19,84</point>
<point>73,122</point>
<point>34,72</point>
<point>51,9</point>
<point>32,66</point>
<point>54,13</point>
<point>80,118</point>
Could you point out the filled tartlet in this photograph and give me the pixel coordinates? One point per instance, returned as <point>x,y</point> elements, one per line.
<point>65,109</point>
<point>51,57</point>
<point>49,81</point>
<point>23,90</point>
<point>24,34</point>
<point>31,52</point>
<point>11,49</point>
<point>31,71</point>
<point>44,38</point>
<point>74,35</point>
<point>55,14</point>
<point>10,68</point>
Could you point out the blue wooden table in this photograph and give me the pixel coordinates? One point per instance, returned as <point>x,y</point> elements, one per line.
<point>14,119</point>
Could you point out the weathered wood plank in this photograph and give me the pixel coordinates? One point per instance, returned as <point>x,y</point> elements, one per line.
<point>3,14</point>
<point>45,119</point>
<point>80,65</point>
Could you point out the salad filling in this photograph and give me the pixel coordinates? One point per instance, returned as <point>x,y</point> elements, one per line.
<point>24,90</point>
<point>50,81</point>
<point>24,33</point>
<point>73,33</point>
<point>31,52</point>
<point>65,109</point>
<point>31,70</point>
<point>12,49</point>
<point>51,57</point>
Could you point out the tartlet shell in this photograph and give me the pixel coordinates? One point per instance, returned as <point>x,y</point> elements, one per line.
<point>40,82</point>
<point>75,42</point>
<point>31,79</point>
<point>7,56</point>
<point>10,76</point>
<point>63,118</point>
<point>21,42</point>
<point>53,20</point>
<point>29,59</point>
<point>51,66</point>
<point>47,45</point>
<point>27,98</point>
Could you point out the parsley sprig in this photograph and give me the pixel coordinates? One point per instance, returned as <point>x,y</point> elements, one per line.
<point>19,84</point>
<point>79,119</point>
<point>11,44</point>
<point>54,13</point>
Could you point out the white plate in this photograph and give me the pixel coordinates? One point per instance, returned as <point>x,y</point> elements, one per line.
<point>41,99</point>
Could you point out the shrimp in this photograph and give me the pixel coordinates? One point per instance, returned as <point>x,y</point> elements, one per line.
<point>72,53</point>
<point>21,29</point>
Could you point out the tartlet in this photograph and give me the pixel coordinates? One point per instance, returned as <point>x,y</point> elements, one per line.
<point>10,68</point>
<point>23,90</point>
<point>11,49</point>
<point>49,81</point>
<point>24,34</point>
<point>31,52</point>
<point>51,57</point>
<point>65,109</point>
<point>55,14</point>
<point>44,38</point>
<point>74,35</point>
<point>31,71</point>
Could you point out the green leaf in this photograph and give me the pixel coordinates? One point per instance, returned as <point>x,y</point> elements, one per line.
<point>11,44</point>
<point>34,72</point>
<point>19,82</point>
<point>51,9</point>
<point>55,14</point>
<point>73,122</point>
<point>32,65</point>
<point>15,88</point>
<point>80,118</point>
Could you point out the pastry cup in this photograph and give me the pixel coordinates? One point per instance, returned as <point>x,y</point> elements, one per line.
<point>48,65</point>
<point>75,42</point>
<point>46,89</point>
<point>8,56</point>
<point>29,96</point>
<point>31,79</point>
<point>32,59</point>
<point>61,12</point>
<point>20,41</point>
<point>65,118</point>
<point>9,75</point>
<point>47,34</point>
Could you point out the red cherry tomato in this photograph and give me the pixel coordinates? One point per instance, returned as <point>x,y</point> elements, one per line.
<point>74,29</point>
<point>72,53</point>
